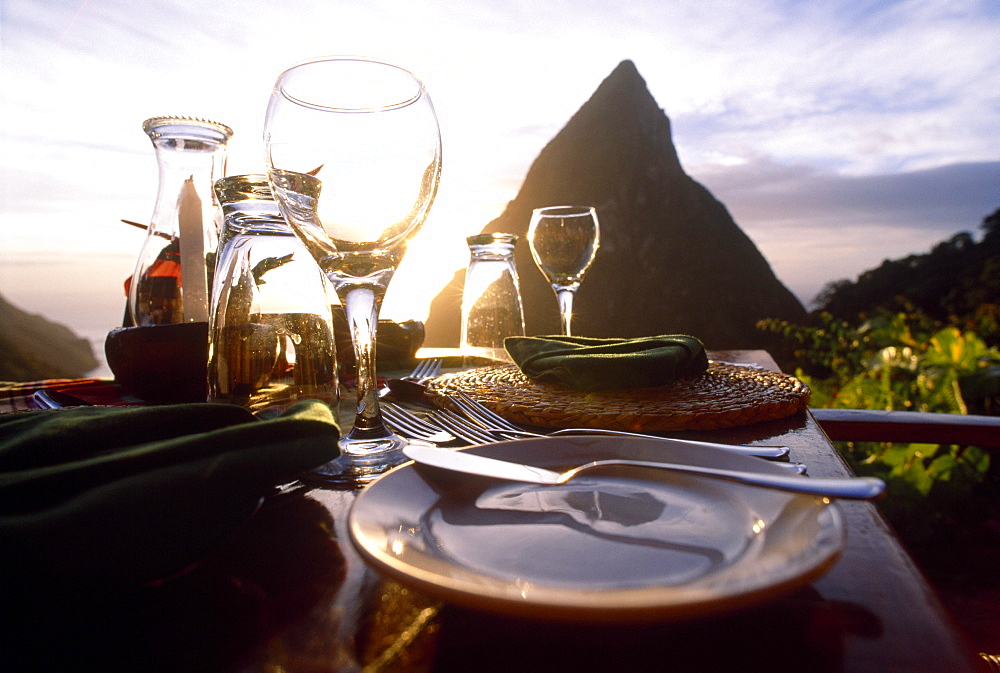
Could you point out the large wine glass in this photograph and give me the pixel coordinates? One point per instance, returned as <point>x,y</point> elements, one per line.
<point>564,241</point>
<point>354,159</point>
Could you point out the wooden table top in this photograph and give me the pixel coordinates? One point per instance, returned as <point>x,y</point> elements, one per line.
<point>289,593</point>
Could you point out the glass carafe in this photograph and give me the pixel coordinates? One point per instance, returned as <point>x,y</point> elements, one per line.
<point>271,339</point>
<point>173,274</point>
<point>491,297</point>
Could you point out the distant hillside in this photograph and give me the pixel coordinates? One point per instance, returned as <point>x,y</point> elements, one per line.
<point>958,280</point>
<point>33,348</point>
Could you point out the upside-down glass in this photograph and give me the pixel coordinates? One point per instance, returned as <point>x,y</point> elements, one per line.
<point>564,241</point>
<point>491,297</point>
<point>354,159</point>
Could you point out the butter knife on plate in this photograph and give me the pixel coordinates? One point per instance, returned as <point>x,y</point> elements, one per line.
<point>848,488</point>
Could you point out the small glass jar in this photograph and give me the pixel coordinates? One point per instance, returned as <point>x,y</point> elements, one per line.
<point>491,297</point>
<point>271,341</point>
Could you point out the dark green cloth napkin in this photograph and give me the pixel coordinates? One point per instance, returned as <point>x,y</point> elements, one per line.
<point>128,496</point>
<point>588,364</point>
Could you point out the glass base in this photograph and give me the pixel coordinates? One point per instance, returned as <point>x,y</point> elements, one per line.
<point>362,461</point>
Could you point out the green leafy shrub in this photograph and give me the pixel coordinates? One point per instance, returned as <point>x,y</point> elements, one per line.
<point>905,361</point>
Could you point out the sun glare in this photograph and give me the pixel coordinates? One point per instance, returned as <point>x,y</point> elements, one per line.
<point>430,263</point>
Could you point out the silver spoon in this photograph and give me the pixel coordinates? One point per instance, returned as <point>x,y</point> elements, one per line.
<point>855,488</point>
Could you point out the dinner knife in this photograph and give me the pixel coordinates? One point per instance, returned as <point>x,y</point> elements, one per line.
<point>848,488</point>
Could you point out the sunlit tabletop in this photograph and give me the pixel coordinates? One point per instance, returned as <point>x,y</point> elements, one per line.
<point>290,593</point>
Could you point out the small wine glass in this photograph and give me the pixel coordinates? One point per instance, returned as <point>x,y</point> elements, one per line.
<point>564,241</point>
<point>354,160</point>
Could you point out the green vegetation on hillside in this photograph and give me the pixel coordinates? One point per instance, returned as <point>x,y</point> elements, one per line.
<point>956,283</point>
<point>906,362</point>
<point>919,334</point>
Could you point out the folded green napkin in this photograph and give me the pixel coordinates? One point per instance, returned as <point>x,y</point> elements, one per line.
<point>127,496</point>
<point>587,364</point>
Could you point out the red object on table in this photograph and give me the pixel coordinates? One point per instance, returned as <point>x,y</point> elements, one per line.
<point>20,396</point>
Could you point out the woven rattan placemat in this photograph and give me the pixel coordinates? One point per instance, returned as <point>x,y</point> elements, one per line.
<point>724,396</point>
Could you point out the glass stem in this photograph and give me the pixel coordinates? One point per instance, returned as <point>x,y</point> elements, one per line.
<point>361,305</point>
<point>565,308</point>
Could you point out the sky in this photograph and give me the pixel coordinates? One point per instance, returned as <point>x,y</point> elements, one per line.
<point>838,133</point>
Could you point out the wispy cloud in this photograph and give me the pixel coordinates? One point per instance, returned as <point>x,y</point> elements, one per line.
<point>906,86</point>
<point>816,226</point>
<point>799,115</point>
<point>943,199</point>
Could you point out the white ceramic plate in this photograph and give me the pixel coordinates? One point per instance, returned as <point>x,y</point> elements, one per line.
<point>636,544</point>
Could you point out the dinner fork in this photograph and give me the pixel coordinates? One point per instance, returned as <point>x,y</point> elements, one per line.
<point>410,386</point>
<point>410,425</point>
<point>465,429</point>
<point>493,422</point>
<point>425,369</point>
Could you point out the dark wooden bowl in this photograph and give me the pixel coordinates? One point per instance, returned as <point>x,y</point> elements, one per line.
<point>161,364</point>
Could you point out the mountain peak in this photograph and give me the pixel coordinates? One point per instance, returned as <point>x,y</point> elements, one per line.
<point>625,77</point>
<point>672,260</point>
